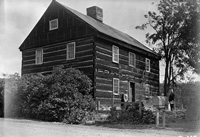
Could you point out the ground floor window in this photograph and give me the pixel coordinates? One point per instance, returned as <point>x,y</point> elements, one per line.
<point>115,86</point>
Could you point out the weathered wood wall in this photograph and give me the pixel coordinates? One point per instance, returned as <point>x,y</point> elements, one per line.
<point>93,55</point>
<point>69,27</point>
<point>106,70</point>
<point>55,54</point>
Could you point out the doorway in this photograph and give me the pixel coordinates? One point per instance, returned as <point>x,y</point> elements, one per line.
<point>132,92</point>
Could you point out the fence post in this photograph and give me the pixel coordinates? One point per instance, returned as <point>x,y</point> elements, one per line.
<point>140,106</point>
<point>164,115</point>
<point>112,100</point>
<point>157,117</point>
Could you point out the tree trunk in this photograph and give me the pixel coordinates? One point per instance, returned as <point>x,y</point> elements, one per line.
<point>166,77</point>
<point>169,74</point>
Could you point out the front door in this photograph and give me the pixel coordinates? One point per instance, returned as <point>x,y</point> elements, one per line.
<point>132,92</point>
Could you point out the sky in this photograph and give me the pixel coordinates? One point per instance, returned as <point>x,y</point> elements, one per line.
<point>18,17</point>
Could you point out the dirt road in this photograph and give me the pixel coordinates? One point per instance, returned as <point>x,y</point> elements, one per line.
<point>29,128</point>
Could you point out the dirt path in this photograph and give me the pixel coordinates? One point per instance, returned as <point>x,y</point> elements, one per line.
<point>28,128</point>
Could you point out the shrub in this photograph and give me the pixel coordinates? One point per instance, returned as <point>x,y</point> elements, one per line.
<point>131,115</point>
<point>62,96</point>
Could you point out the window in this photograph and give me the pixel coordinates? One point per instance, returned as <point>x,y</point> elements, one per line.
<point>115,54</point>
<point>131,59</point>
<point>39,56</point>
<point>147,65</point>
<point>115,86</point>
<point>71,51</point>
<point>53,24</point>
<point>147,89</point>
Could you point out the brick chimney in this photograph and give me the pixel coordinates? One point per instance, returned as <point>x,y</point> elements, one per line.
<point>96,13</point>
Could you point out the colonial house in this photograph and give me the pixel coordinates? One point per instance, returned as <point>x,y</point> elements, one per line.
<point>116,63</point>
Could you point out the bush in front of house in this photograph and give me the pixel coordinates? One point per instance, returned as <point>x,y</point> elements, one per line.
<point>131,115</point>
<point>63,96</point>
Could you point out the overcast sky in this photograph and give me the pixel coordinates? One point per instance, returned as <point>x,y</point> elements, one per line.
<point>18,17</point>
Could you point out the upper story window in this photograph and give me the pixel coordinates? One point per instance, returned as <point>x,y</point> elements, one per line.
<point>53,24</point>
<point>147,65</point>
<point>39,56</point>
<point>115,86</point>
<point>115,54</point>
<point>71,51</point>
<point>131,59</point>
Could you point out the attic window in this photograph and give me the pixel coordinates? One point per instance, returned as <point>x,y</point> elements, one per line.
<point>53,24</point>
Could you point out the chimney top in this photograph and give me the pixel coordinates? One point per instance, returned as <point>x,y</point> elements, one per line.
<point>96,13</point>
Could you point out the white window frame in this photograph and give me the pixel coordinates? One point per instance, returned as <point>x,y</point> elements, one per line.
<point>67,51</point>
<point>132,62</point>
<point>115,80</point>
<point>53,27</point>
<point>38,60</point>
<point>116,60</point>
<point>147,65</point>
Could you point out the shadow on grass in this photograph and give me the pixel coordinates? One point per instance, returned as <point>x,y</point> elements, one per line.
<point>174,125</point>
<point>184,125</point>
<point>124,125</point>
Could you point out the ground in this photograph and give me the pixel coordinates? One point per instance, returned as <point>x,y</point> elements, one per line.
<point>30,128</point>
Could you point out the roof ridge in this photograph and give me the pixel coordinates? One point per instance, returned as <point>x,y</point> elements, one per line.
<point>108,30</point>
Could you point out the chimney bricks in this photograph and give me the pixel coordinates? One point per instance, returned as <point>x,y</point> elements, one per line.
<point>96,13</point>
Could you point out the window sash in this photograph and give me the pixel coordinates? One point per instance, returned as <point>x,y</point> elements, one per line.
<point>53,24</point>
<point>115,54</point>
<point>116,86</point>
<point>131,59</point>
<point>70,51</point>
<point>147,65</point>
<point>39,56</point>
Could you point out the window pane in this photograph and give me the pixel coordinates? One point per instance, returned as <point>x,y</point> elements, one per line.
<point>70,51</point>
<point>147,65</point>
<point>131,59</point>
<point>115,54</point>
<point>53,24</point>
<point>116,86</point>
<point>39,56</point>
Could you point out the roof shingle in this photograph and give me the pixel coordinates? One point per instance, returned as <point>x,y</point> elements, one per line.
<point>108,30</point>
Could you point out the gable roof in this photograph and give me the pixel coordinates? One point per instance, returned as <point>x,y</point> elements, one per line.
<point>108,30</point>
<point>104,29</point>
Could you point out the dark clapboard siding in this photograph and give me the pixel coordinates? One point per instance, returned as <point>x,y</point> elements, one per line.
<point>93,55</point>
<point>54,55</point>
<point>106,70</point>
<point>69,27</point>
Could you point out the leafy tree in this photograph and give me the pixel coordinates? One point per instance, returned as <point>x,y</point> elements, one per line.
<point>185,91</point>
<point>176,37</point>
